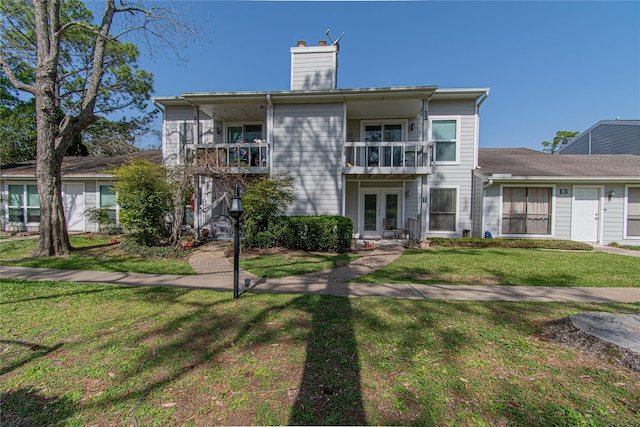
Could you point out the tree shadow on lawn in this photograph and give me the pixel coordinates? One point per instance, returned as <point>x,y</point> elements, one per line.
<point>28,407</point>
<point>204,338</point>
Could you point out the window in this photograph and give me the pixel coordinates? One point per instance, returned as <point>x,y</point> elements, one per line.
<point>442,209</point>
<point>391,156</point>
<point>445,133</point>
<point>243,133</point>
<point>633,211</point>
<point>108,202</point>
<point>526,210</point>
<point>24,206</point>
<point>251,155</point>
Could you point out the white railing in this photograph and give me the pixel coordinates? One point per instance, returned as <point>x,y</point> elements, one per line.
<point>387,158</point>
<point>247,157</point>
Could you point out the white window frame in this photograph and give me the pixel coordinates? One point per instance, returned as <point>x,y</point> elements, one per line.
<point>457,140</point>
<point>625,234</point>
<point>553,212</point>
<point>457,212</point>
<point>99,206</point>
<point>24,207</point>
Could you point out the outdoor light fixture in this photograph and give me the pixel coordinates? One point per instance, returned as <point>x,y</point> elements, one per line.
<point>235,212</point>
<point>610,194</point>
<point>412,127</point>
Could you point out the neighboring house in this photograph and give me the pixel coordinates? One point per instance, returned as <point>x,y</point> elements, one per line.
<point>525,193</point>
<point>402,154</point>
<point>607,137</point>
<point>86,184</point>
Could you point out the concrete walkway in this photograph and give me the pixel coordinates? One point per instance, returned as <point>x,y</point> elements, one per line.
<point>215,272</point>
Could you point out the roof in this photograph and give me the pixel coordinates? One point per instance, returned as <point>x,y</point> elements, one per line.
<point>330,95</point>
<point>523,162</point>
<point>82,167</point>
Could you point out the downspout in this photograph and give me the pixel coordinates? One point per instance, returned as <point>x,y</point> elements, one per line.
<point>163,111</point>
<point>270,131</point>
<point>343,209</point>
<point>477,136</point>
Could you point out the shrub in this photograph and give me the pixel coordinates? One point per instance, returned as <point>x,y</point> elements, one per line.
<point>133,247</point>
<point>477,242</point>
<point>318,233</point>
<point>145,199</point>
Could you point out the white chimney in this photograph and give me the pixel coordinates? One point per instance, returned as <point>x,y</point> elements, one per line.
<point>314,67</point>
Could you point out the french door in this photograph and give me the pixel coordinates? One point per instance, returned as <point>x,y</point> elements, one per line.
<point>375,205</point>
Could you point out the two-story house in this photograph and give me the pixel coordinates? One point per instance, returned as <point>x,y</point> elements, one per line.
<point>400,156</point>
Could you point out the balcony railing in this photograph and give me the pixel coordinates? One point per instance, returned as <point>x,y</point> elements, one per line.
<point>251,157</point>
<point>400,158</point>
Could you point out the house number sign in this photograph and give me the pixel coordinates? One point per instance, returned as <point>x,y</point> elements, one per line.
<point>563,191</point>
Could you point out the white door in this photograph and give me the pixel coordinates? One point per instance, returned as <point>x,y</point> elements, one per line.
<point>74,206</point>
<point>374,206</point>
<point>585,213</point>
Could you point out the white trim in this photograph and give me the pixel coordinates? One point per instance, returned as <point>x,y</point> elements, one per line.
<point>625,208</point>
<point>450,233</point>
<point>458,120</point>
<point>552,225</point>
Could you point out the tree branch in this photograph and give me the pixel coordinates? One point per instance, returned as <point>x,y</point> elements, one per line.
<point>13,79</point>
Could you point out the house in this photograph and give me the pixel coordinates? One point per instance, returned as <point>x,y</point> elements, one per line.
<point>607,137</point>
<point>401,156</point>
<point>86,184</point>
<point>524,193</point>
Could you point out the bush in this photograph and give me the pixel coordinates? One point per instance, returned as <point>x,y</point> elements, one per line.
<point>325,233</point>
<point>318,233</point>
<point>477,242</point>
<point>133,247</point>
<point>145,199</point>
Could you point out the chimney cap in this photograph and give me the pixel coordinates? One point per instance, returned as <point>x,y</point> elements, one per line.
<point>302,43</point>
<point>322,43</point>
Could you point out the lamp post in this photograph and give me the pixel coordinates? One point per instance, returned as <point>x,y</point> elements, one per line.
<point>235,212</point>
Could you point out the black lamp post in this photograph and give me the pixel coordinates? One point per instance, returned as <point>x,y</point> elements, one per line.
<point>236,211</point>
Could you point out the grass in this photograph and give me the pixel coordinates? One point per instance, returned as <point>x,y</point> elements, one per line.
<point>517,267</point>
<point>97,254</point>
<point>275,266</point>
<point>195,357</point>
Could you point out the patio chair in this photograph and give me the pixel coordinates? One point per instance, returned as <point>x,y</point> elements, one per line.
<point>389,226</point>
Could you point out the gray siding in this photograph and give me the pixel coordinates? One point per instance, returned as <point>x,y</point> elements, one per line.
<point>579,145</point>
<point>307,142</point>
<point>177,131</point>
<point>611,219</point>
<point>476,207</point>
<point>457,176</point>
<point>607,138</point>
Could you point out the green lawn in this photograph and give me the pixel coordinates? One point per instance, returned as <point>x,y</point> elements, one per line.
<point>519,267</point>
<point>80,354</point>
<point>97,254</point>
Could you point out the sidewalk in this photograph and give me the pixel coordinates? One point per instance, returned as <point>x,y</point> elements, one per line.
<point>215,272</point>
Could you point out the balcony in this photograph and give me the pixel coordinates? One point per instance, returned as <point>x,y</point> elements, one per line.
<point>387,158</point>
<point>250,157</point>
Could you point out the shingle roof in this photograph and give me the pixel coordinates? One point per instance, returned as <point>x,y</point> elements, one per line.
<point>520,162</point>
<point>83,166</point>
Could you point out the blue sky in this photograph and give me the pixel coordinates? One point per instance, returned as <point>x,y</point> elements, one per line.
<point>550,65</point>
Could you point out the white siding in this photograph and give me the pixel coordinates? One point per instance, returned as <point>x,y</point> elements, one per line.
<point>307,142</point>
<point>314,68</point>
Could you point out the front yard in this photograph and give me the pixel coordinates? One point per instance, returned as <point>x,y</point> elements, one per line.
<point>80,354</point>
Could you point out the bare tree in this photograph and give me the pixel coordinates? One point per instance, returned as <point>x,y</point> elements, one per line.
<point>49,36</point>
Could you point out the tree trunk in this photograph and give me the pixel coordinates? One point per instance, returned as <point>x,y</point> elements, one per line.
<point>54,239</point>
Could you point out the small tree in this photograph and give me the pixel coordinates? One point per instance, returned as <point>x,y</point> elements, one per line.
<point>265,199</point>
<point>144,197</point>
<point>563,137</point>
